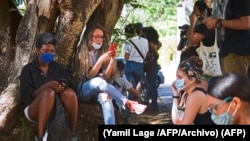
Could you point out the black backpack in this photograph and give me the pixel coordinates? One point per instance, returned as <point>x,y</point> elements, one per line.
<point>58,127</point>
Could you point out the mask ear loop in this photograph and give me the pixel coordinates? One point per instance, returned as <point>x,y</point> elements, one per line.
<point>234,110</point>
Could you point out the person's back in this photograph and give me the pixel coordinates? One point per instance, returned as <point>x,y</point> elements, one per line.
<point>134,62</point>
<point>151,34</point>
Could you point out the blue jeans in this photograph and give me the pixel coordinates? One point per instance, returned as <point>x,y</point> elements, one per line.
<point>151,88</point>
<point>134,73</point>
<point>92,88</point>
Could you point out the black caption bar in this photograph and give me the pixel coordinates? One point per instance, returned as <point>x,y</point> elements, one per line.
<point>162,132</point>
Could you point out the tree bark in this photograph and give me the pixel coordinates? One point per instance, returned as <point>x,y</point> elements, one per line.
<point>66,19</point>
<point>73,17</point>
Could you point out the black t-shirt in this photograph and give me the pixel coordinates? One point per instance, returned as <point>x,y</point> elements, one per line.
<point>236,41</point>
<point>208,33</point>
<point>191,51</point>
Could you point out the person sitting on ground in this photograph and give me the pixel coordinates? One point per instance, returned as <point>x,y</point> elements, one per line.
<point>39,87</point>
<point>121,83</point>
<point>94,66</point>
<point>124,86</point>
<point>195,110</point>
<point>229,100</point>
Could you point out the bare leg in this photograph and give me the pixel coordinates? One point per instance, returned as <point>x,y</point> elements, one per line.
<point>69,100</point>
<point>41,108</point>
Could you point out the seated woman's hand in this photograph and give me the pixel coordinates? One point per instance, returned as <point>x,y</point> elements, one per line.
<point>56,86</point>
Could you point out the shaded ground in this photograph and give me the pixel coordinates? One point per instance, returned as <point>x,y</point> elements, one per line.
<point>88,120</point>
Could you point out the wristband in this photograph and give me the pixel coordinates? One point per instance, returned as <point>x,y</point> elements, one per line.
<point>176,96</point>
<point>218,23</point>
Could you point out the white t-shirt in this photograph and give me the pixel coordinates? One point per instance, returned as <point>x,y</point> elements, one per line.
<point>142,45</point>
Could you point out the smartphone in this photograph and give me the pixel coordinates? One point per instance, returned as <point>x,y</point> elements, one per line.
<point>113,47</point>
<point>61,81</point>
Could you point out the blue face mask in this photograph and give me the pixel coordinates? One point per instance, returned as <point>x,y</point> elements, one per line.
<point>96,46</point>
<point>224,118</point>
<point>47,57</point>
<point>179,84</point>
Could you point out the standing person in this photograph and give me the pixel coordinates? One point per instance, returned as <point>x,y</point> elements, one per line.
<point>195,110</point>
<point>227,104</point>
<point>235,35</point>
<point>39,87</point>
<point>134,62</point>
<point>151,76</point>
<point>198,32</point>
<point>183,46</point>
<point>94,67</point>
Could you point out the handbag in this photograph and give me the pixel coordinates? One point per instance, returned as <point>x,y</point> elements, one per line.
<point>211,59</point>
<point>148,61</point>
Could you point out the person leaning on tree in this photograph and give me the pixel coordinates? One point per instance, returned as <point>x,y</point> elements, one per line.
<point>94,67</point>
<point>39,87</point>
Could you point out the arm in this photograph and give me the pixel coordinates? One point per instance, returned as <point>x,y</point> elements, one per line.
<point>96,68</point>
<point>126,51</point>
<point>108,71</point>
<point>154,48</point>
<point>174,112</point>
<point>134,92</point>
<point>243,23</point>
<point>29,88</point>
<point>26,87</point>
<point>194,37</point>
<point>193,105</point>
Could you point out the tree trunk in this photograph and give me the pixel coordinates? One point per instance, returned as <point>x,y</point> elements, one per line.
<point>66,19</point>
<point>73,17</point>
<point>9,20</point>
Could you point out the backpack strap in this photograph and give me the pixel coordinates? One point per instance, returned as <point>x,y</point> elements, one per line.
<point>137,49</point>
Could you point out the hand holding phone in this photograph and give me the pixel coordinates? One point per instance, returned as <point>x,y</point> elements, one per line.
<point>113,47</point>
<point>61,81</point>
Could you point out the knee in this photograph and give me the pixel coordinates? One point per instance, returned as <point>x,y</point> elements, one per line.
<point>68,94</point>
<point>104,97</point>
<point>49,94</point>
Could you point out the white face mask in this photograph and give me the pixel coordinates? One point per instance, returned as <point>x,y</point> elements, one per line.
<point>96,46</point>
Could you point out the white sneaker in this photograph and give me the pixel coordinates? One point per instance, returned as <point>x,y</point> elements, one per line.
<point>45,136</point>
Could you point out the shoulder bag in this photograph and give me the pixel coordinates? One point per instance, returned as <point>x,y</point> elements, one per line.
<point>211,59</point>
<point>148,61</point>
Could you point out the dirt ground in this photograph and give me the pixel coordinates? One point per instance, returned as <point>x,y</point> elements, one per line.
<point>88,120</point>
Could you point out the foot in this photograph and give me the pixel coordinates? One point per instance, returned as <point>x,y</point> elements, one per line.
<point>152,107</point>
<point>135,107</point>
<point>38,139</point>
